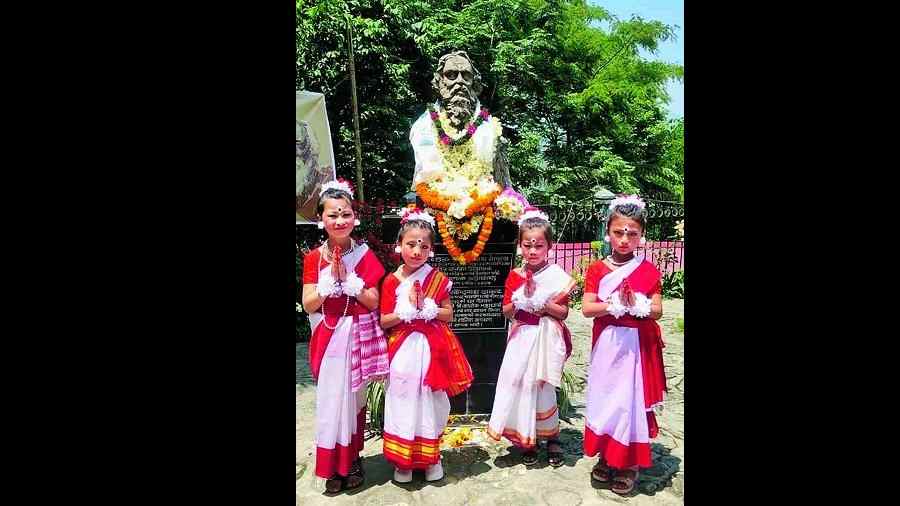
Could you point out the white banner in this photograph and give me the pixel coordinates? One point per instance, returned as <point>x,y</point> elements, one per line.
<point>315,156</point>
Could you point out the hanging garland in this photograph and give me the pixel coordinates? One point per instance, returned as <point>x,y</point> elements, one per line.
<point>460,191</point>
<point>435,200</point>
<point>467,257</point>
<point>470,129</point>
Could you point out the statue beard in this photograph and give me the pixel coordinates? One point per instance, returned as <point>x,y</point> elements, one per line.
<point>460,107</point>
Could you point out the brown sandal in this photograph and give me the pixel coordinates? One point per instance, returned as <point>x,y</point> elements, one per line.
<point>334,484</point>
<point>601,472</point>
<point>624,481</point>
<point>556,457</point>
<point>354,479</point>
<point>530,458</point>
<point>356,476</point>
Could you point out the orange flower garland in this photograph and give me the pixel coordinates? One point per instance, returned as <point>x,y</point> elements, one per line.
<point>434,200</point>
<point>469,256</point>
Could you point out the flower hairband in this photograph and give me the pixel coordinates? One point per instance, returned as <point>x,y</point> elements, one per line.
<point>532,212</point>
<point>625,200</point>
<point>339,184</point>
<point>407,214</point>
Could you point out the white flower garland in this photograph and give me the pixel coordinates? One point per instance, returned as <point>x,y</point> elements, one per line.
<point>641,307</point>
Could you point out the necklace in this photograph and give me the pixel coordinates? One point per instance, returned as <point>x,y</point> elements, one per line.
<point>327,252</point>
<point>325,320</point>
<point>618,264</point>
<point>347,297</point>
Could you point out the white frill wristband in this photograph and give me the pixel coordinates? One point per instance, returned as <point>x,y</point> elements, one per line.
<point>406,312</point>
<point>539,299</point>
<point>429,309</point>
<point>641,307</point>
<point>327,286</point>
<point>615,307</point>
<point>353,285</point>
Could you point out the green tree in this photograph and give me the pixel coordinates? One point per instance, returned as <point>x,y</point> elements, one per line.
<point>581,107</point>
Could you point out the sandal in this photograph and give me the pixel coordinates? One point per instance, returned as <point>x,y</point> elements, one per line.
<point>530,458</point>
<point>601,472</point>
<point>354,479</point>
<point>356,476</point>
<point>556,457</point>
<point>334,484</point>
<point>624,480</point>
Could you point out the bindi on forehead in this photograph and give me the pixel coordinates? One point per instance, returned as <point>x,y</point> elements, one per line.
<point>339,205</point>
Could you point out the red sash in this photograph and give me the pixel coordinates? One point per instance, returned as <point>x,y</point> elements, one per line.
<point>644,279</point>
<point>449,369</point>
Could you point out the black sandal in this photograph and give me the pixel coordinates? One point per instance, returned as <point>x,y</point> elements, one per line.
<point>356,476</point>
<point>334,484</point>
<point>529,457</point>
<point>555,458</point>
<point>354,479</point>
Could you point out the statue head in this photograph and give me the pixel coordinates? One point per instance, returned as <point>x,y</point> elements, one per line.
<point>458,84</point>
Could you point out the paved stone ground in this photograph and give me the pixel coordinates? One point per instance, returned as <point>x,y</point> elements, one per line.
<point>491,473</point>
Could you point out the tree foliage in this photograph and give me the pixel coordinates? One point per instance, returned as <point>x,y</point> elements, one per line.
<point>580,105</point>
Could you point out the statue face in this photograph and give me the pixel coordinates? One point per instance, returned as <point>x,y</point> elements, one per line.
<point>457,78</point>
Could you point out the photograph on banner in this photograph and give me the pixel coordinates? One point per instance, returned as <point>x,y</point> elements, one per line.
<point>315,156</point>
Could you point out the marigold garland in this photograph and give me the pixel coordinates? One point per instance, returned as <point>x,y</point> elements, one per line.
<point>434,200</point>
<point>470,256</point>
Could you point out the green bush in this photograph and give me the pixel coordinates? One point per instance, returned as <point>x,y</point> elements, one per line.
<point>570,384</point>
<point>375,406</point>
<point>673,285</point>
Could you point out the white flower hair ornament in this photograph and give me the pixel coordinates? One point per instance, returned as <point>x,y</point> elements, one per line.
<point>339,184</point>
<point>407,214</point>
<point>624,200</point>
<point>532,212</point>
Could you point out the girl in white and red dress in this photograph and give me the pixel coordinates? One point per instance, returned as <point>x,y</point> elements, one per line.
<point>347,348</point>
<point>626,379</point>
<point>536,298</point>
<point>428,365</point>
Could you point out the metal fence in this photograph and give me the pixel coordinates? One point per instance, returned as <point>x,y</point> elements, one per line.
<point>667,256</point>
<point>579,229</point>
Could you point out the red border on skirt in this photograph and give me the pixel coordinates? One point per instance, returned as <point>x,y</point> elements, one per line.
<point>616,454</point>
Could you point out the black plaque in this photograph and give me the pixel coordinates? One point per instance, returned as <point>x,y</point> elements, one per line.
<point>477,291</point>
<point>478,320</point>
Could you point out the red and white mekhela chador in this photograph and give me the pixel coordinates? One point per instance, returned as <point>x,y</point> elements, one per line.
<point>626,379</point>
<point>537,347</point>
<point>346,351</point>
<point>427,367</point>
